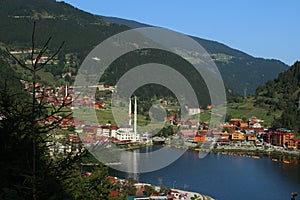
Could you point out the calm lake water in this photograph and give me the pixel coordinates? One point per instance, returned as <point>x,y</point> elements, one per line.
<point>227,177</point>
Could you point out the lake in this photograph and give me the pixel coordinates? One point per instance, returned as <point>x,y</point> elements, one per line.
<point>227,177</point>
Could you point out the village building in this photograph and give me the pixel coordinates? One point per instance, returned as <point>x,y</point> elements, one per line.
<point>237,136</point>
<point>281,138</point>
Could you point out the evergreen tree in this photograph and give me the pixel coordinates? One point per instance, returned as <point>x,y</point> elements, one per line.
<point>27,169</point>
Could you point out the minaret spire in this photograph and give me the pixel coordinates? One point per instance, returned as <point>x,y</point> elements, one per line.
<point>129,112</point>
<point>66,91</point>
<point>135,115</point>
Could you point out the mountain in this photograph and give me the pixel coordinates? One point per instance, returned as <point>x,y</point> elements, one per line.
<point>282,95</point>
<point>125,22</point>
<point>82,31</point>
<point>239,70</point>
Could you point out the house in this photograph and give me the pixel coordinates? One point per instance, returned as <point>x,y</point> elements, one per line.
<point>194,123</point>
<point>255,125</point>
<point>194,111</point>
<point>251,137</point>
<point>146,137</point>
<point>225,135</point>
<point>243,125</point>
<point>209,106</point>
<point>223,141</point>
<point>200,137</point>
<point>254,122</point>
<point>237,136</point>
<point>188,134</point>
<point>229,127</point>
<point>294,143</point>
<point>90,129</point>
<point>74,139</point>
<point>281,138</point>
<point>78,123</point>
<point>235,122</point>
<point>105,130</point>
<point>217,134</point>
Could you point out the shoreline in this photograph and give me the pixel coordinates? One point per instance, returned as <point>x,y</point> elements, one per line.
<point>262,152</point>
<point>226,149</point>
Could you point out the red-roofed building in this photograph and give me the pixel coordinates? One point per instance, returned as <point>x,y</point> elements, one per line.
<point>200,136</point>
<point>90,129</point>
<point>280,138</point>
<point>251,137</point>
<point>235,122</point>
<point>229,127</point>
<point>294,143</point>
<point>223,141</point>
<point>78,123</point>
<point>188,133</point>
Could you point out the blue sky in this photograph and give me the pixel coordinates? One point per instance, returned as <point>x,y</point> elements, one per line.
<point>262,28</point>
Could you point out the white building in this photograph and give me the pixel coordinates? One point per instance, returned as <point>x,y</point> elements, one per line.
<point>127,132</point>
<point>194,111</point>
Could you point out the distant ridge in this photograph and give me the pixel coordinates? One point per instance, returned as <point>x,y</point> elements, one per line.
<point>82,31</point>
<point>239,70</point>
<point>125,22</point>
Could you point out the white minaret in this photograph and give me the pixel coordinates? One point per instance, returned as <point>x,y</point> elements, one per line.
<point>135,115</point>
<point>129,113</point>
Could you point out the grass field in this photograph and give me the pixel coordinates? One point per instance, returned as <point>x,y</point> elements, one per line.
<point>104,116</point>
<point>241,110</point>
<point>247,109</point>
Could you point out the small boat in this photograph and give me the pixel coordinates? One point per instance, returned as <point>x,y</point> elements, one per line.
<point>197,149</point>
<point>274,159</point>
<point>286,161</point>
<point>256,157</point>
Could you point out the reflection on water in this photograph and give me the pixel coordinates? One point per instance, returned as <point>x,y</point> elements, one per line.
<point>147,159</point>
<point>227,177</point>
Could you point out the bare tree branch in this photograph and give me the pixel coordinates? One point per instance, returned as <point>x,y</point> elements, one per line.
<point>23,65</point>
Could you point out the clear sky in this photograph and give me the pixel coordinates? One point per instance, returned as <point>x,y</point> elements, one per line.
<point>261,28</point>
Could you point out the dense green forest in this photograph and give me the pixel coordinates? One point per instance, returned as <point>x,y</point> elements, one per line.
<point>282,94</point>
